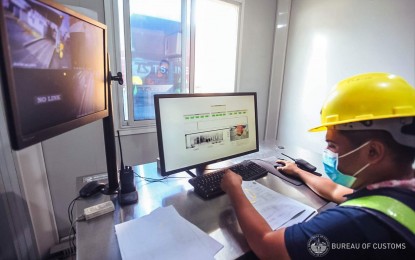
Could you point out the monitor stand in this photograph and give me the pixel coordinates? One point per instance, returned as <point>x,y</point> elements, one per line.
<point>206,168</point>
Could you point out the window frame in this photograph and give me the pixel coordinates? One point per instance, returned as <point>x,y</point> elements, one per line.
<point>130,126</point>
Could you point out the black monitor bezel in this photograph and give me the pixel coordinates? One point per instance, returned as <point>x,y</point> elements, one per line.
<point>17,138</point>
<point>157,98</point>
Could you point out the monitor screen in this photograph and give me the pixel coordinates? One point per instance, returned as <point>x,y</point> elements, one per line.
<point>53,67</point>
<point>194,130</point>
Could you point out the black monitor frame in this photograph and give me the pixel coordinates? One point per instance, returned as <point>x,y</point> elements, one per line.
<point>199,167</point>
<point>19,139</point>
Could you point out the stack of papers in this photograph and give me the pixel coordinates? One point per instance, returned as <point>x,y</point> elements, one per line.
<point>278,210</point>
<point>164,234</point>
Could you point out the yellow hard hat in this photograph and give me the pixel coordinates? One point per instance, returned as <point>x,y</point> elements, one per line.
<point>369,96</point>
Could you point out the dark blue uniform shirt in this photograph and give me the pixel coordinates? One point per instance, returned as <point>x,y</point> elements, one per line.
<point>351,233</point>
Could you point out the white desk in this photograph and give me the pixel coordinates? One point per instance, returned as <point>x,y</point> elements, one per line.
<point>96,239</point>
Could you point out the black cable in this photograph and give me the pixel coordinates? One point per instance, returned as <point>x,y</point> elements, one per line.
<point>72,246</point>
<point>72,236</point>
<point>70,210</point>
<point>72,230</point>
<point>73,205</point>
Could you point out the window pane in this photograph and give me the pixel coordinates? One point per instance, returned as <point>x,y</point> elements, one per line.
<point>156,52</point>
<point>215,46</point>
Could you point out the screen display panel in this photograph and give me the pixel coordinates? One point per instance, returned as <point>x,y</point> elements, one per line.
<point>54,69</point>
<point>198,129</point>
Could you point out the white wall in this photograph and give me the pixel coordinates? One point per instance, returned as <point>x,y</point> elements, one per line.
<point>30,167</point>
<point>256,53</point>
<point>17,239</point>
<point>333,39</point>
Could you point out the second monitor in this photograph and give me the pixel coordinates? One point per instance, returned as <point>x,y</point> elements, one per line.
<point>194,130</point>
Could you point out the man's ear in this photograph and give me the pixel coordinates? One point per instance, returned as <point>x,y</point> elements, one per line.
<point>376,152</point>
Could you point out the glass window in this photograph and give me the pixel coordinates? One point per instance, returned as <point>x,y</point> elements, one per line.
<point>155,29</point>
<point>157,61</point>
<point>215,46</point>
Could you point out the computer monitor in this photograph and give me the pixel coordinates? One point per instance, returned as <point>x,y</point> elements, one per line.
<point>194,130</point>
<point>54,70</point>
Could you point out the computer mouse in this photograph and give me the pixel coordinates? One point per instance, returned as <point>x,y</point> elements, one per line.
<point>276,165</point>
<point>287,177</point>
<point>91,188</point>
<point>310,169</point>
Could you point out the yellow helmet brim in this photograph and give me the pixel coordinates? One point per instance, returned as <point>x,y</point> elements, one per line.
<point>369,96</point>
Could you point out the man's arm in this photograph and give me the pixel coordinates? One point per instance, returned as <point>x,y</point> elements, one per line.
<point>266,243</point>
<point>324,187</point>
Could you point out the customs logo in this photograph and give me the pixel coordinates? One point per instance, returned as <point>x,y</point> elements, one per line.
<point>318,245</point>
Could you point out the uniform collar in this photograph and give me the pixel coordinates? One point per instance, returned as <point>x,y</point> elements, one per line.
<point>401,186</point>
<point>406,184</point>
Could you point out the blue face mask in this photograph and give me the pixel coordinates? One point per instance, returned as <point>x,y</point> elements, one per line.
<point>331,162</point>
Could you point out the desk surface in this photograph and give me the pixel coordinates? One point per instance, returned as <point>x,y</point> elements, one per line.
<point>96,238</point>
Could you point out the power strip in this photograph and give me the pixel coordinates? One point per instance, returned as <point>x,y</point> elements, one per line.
<point>98,210</point>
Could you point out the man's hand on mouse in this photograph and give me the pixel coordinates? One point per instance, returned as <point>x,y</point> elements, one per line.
<point>289,168</point>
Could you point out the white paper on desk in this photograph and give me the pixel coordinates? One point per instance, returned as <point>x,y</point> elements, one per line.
<point>164,234</point>
<point>277,209</point>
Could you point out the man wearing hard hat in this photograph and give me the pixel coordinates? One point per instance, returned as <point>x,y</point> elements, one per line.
<point>370,124</point>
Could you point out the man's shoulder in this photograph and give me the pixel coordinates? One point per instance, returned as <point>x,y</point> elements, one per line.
<point>336,222</point>
<point>404,195</point>
<point>336,215</point>
<point>345,227</point>
<point>344,224</point>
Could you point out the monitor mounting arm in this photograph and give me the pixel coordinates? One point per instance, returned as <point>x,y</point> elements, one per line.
<point>109,134</point>
<point>117,78</point>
